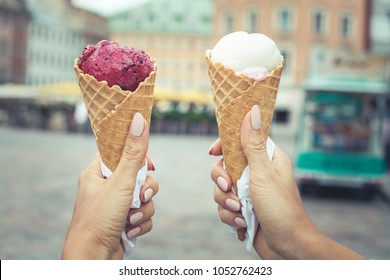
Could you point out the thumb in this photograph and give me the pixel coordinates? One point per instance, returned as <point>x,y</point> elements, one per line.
<point>253,140</point>
<point>134,153</point>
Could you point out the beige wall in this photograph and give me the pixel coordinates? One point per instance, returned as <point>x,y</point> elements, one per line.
<point>180,58</point>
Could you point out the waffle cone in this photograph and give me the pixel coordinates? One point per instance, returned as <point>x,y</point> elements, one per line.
<point>234,96</point>
<point>111,110</point>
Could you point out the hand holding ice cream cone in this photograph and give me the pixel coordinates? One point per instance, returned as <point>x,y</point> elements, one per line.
<point>244,70</point>
<point>117,84</point>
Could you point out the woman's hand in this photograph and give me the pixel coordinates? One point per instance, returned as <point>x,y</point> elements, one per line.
<point>229,206</point>
<point>285,230</point>
<point>102,205</point>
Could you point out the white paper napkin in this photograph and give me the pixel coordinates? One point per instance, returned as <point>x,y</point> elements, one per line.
<point>129,244</point>
<point>247,207</point>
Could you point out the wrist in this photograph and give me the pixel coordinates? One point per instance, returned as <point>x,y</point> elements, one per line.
<point>82,244</point>
<point>308,241</point>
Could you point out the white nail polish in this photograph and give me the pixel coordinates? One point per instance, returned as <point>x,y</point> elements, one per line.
<point>133,233</point>
<point>135,218</point>
<point>255,117</point>
<point>137,125</point>
<point>222,184</point>
<point>240,222</point>
<point>148,194</point>
<point>232,204</point>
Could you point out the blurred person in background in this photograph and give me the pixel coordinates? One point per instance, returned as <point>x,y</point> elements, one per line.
<point>285,230</point>
<point>102,205</point>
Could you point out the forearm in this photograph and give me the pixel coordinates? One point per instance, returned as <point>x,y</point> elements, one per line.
<point>316,245</point>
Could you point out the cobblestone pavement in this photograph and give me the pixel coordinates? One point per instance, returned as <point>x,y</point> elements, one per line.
<point>38,182</point>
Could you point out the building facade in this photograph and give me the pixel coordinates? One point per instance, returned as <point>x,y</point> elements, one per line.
<point>176,34</point>
<point>14,20</point>
<point>57,34</point>
<point>304,30</point>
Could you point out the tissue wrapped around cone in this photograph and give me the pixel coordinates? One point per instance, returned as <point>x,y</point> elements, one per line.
<point>234,96</point>
<point>111,110</point>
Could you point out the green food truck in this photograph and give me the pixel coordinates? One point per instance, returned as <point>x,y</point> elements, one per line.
<point>339,137</point>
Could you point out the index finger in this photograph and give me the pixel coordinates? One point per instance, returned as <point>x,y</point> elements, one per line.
<point>216,148</point>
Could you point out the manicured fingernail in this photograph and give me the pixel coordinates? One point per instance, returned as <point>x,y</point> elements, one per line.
<point>240,222</point>
<point>222,183</point>
<point>232,204</point>
<point>148,194</point>
<point>211,147</point>
<point>255,117</point>
<point>137,125</point>
<point>135,218</point>
<point>152,163</point>
<point>134,232</point>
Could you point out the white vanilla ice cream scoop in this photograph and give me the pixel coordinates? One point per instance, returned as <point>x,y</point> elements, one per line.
<point>255,55</point>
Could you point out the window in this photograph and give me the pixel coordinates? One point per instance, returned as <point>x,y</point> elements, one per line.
<point>151,17</point>
<point>251,20</point>
<point>346,25</point>
<point>206,19</point>
<point>319,22</point>
<point>178,18</point>
<point>228,22</point>
<point>318,58</point>
<point>190,66</point>
<point>137,23</point>
<point>285,19</point>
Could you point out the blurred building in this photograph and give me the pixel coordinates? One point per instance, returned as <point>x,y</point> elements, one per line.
<point>57,34</point>
<point>308,33</point>
<point>14,19</point>
<point>176,33</point>
<point>380,27</point>
<point>304,30</point>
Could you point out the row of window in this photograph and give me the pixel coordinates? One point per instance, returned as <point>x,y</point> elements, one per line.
<point>44,79</point>
<point>181,65</point>
<point>286,20</point>
<point>163,20</point>
<point>55,35</point>
<point>52,59</point>
<point>164,43</point>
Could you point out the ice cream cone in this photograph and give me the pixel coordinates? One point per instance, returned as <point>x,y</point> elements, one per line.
<point>111,110</point>
<point>234,96</point>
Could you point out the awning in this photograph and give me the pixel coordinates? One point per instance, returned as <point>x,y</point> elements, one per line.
<point>17,91</point>
<point>60,93</point>
<point>344,84</point>
<point>69,93</point>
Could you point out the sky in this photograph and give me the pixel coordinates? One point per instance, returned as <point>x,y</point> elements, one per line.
<point>107,7</point>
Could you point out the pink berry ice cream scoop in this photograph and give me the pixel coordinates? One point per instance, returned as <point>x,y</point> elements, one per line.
<point>125,66</point>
